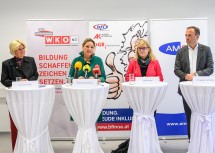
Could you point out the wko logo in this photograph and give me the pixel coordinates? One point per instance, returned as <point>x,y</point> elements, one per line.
<point>170,48</point>
<point>42,32</point>
<point>100,26</point>
<point>55,40</point>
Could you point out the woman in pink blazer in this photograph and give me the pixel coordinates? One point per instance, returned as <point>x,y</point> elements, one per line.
<point>145,63</point>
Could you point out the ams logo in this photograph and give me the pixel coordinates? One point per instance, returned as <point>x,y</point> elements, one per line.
<point>170,48</point>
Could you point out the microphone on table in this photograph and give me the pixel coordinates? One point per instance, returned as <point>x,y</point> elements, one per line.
<point>96,71</point>
<point>78,66</point>
<point>86,69</point>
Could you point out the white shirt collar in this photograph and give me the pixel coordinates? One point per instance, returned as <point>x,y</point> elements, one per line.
<point>195,49</point>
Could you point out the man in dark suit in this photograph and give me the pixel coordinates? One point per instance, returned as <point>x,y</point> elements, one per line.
<point>194,59</point>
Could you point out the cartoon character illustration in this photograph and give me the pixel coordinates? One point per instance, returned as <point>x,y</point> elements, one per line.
<point>127,51</point>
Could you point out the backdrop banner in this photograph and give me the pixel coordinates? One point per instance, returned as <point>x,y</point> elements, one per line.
<point>54,44</point>
<point>115,45</point>
<point>167,36</point>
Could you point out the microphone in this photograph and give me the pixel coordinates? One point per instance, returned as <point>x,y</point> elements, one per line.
<point>86,69</point>
<point>77,67</point>
<point>96,71</point>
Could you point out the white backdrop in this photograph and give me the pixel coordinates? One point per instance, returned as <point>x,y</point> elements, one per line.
<point>115,44</point>
<point>54,44</point>
<point>167,36</point>
<point>13,20</point>
<point>114,41</point>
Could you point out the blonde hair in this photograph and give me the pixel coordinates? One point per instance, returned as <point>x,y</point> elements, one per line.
<point>143,43</point>
<point>14,45</point>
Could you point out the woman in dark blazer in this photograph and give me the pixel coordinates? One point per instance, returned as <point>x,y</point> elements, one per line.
<point>19,66</point>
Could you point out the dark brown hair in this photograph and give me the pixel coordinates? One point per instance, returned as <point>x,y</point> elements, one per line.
<point>196,29</point>
<point>88,40</point>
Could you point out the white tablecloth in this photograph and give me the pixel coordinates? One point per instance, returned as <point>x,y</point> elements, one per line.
<point>85,105</point>
<point>201,100</point>
<point>31,110</point>
<point>144,99</point>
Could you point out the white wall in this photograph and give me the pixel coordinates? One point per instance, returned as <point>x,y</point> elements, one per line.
<point>13,17</point>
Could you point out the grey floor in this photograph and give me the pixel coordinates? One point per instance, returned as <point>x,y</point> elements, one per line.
<point>167,146</point>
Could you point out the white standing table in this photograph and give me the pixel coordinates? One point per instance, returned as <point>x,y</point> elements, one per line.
<point>85,104</point>
<point>144,100</point>
<point>31,110</point>
<point>201,100</point>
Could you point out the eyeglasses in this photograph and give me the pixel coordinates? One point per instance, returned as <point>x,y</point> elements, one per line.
<point>142,48</point>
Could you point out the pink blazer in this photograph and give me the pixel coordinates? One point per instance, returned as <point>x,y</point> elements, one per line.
<point>154,69</point>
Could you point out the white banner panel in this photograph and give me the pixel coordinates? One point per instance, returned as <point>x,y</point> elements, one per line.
<point>54,44</point>
<point>115,45</point>
<point>167,36</point>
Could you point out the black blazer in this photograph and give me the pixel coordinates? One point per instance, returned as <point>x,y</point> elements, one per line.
<point>10,70</point>
<point>204,64</point>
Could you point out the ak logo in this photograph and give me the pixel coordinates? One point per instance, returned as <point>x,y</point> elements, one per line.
<point>170,48</point>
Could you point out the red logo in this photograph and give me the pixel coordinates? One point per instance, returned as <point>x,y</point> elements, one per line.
<point>100,44</point>
<point>50,40</point>
<point>97,36</point>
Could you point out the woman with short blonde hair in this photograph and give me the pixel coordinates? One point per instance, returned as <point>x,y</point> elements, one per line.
<point>20,66</point>
<point>14,45</point>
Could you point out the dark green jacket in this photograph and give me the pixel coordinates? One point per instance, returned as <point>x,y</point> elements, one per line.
<point>93,61</point>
